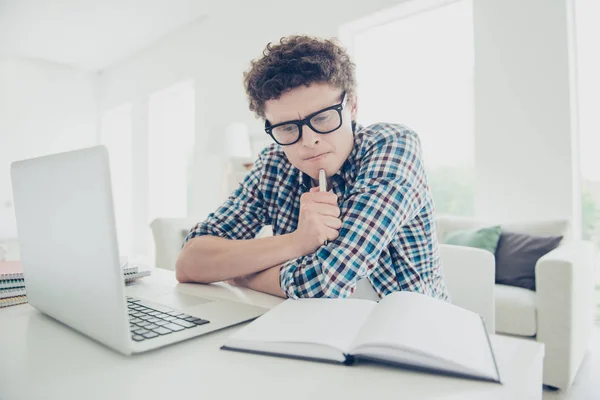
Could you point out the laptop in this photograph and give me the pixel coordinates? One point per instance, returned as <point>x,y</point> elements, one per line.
<point>67,237</point>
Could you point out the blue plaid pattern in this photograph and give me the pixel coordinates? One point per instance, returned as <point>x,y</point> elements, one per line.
<point>388,231</point>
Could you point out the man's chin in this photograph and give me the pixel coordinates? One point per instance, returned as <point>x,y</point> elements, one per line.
<point>314,172</point>
<point>312,169</point>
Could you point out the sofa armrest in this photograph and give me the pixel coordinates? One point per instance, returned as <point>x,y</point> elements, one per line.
<point>168,235</point>
<point>565,304</point>
<point>469,274</point>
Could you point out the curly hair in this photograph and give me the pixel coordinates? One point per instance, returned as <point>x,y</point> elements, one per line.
<point>297,60</point>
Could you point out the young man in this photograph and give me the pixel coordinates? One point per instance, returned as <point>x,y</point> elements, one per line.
<point>376,220</point>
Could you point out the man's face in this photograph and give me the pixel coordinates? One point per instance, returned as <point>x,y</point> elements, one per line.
<point>314,150</point>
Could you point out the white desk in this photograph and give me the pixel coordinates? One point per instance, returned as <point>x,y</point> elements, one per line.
<point>42,359</point>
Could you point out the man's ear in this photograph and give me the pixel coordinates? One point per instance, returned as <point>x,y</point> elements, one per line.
<point>354,108</point>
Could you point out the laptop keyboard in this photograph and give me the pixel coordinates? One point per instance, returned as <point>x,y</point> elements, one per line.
<point>150,321</point>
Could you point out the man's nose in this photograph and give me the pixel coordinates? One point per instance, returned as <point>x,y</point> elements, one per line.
<point>310,138</point>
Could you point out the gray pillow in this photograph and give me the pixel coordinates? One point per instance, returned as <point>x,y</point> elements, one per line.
<point>517,254</point>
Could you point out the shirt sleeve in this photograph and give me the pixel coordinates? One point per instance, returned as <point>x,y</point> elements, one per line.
<point>242,215</point>
<point>389,191</point>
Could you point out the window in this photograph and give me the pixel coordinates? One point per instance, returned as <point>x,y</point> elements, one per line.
<point>170,146</point>
<point>116,136</point>
<point>587,13</point>
<point>417,70</point>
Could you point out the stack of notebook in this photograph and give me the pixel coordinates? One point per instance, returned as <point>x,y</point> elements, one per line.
<point>12,284</point>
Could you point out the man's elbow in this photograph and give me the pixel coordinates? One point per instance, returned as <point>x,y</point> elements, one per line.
<point>186,271</point>
<point>180,273</point>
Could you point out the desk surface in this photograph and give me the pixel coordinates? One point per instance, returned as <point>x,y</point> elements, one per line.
<point>43,359</point>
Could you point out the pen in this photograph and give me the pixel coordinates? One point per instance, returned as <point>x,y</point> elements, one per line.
<point>322,181</point>
<point>323,187</point>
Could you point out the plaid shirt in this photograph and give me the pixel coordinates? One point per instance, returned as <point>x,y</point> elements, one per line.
<point>388,233</point>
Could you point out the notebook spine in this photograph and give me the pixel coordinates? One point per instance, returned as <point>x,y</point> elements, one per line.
<point>6,277</point>
<point>12,283</point>
<point>4,293</point>
<point>136,275</point>
<point>130,270</point>
<point>12,301</point>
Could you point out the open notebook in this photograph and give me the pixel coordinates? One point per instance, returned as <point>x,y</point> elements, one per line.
<point>405,329</point>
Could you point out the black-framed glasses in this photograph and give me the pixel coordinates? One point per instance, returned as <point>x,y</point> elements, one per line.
<point>323,121</point>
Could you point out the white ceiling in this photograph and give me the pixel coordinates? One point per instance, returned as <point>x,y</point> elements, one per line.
<point>89,34</point>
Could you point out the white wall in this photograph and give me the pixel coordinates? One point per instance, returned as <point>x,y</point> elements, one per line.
<point>525,150</point>
<point>44,108</point>
<point>523,121</point>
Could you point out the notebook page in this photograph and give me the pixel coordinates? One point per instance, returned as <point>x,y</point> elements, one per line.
<point>425,325</point>
<point>330,322</point>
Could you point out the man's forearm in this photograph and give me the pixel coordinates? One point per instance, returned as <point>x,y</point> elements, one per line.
<point>208,259</point>
<point>266,281</point>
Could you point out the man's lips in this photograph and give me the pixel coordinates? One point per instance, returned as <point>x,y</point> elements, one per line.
<point>315,156</point>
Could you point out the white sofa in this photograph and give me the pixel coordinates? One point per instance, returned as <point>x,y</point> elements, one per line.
<point>168,235</point>
<point>560,312</point>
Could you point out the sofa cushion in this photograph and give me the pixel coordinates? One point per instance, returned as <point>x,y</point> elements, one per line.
<point>553,227</point>
<point>481,238</point>
<point>516,257</point>
<point>515,310</point>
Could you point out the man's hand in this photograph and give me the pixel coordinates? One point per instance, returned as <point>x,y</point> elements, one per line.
<point>318,220</point>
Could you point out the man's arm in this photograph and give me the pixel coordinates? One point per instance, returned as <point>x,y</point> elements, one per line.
<point>223,246</point>
<point>266,281</point>
<point>389,191</point>
<point>208,259</point>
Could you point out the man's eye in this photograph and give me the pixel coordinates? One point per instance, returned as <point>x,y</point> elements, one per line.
<point>321,118</point>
